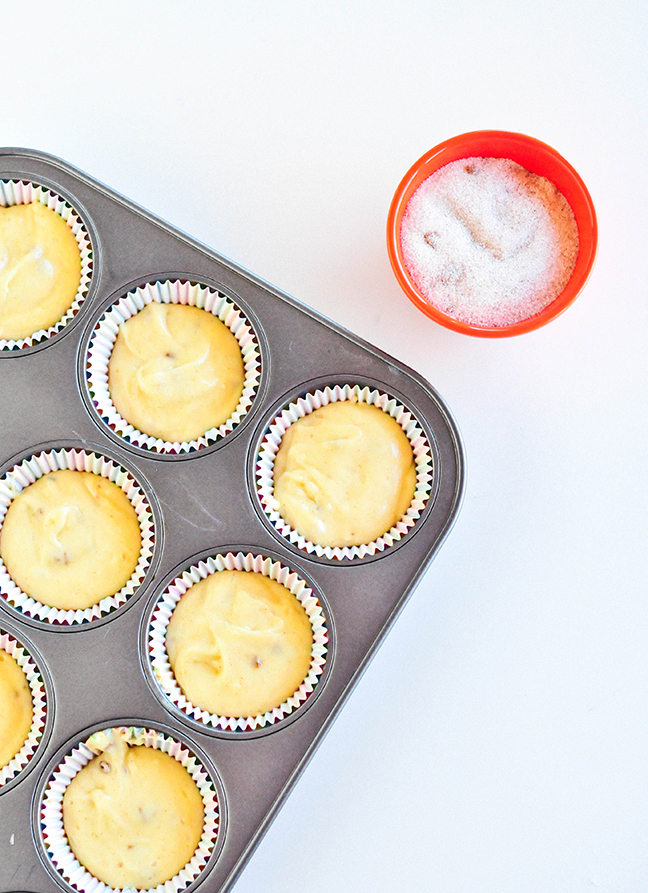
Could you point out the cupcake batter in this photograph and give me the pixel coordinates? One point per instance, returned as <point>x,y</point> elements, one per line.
<point>40,269</point>
<point>71,539</point>
<point>344,474</point>
<point>175,372</point>
<point>16,708</point>
<point>133,816</point>
<point>239,643</point>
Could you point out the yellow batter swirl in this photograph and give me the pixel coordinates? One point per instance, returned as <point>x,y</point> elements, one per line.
<point>40,269</point>
<point>239,643</point>
<point>71,539</point>
<point>175,372</point>
<point>16,708</point>
<point>133,816</point>
<point>344,474</point>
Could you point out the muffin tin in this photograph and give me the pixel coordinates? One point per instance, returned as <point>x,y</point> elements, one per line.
<point>98,672</point>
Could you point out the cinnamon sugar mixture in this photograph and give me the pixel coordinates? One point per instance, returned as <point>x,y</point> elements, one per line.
<point>488,242</point>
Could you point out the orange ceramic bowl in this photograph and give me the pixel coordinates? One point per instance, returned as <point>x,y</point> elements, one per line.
<point>537,157</point>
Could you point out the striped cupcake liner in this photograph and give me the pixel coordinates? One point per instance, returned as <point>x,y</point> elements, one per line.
<point>29,470</point>
<point>21,192</point>
<point>303,406</point>
<point>176,291</point>
<point>53,836</point>
<point>165,606</point>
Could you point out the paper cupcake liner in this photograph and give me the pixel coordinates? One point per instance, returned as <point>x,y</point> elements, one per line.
<point>169,292</point>
<point>39,706</point>
<point>308,403</point>
<point>51,809</point>
<point>21,192</point>
<point>26,472</point>
<point>166,604</point>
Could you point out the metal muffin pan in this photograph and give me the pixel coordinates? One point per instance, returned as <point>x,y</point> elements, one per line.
<point>204,503</point>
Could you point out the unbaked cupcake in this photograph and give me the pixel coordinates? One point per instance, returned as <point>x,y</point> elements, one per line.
<point>344,472</point>
<point>130,808</point>
<point>70,539</point>
<point>238,642</point>
<point>76,536</point>
<point>45,263</point>
<point>16,708</point>
<point>175,372</point>
<point>23,707</point>
<point>173,366</point>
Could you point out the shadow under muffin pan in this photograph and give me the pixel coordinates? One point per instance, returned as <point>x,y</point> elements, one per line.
<point>207,501</point>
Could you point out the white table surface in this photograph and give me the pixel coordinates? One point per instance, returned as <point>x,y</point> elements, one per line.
<point>499,740</point>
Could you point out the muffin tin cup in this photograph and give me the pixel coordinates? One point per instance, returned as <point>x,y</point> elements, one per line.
<point>25,192</point>
<point>156,660</point>
<point>42,706</point>
<point>176,291</point>
<point>30,469</point>
<point>54,847</point>
<point>302,406</point>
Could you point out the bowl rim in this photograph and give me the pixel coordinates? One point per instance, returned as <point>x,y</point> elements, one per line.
<point>465,145</point>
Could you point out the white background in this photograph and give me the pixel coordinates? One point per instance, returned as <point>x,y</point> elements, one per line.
<point>499,740</point>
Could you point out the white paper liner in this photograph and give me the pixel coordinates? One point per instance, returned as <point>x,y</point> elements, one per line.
<point>39,706</point>
<point>54,837</point>
<point>166,604</point>
<point>303,406</point>
<point>169,292</point>
<point>26,472</point>
<point>21,192</point>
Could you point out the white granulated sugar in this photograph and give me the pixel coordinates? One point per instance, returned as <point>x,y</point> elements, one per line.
<point>487,242</point>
